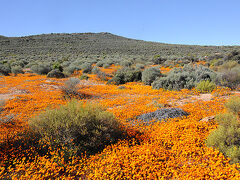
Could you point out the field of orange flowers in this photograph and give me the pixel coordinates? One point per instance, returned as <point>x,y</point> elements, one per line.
<point>172,150</point>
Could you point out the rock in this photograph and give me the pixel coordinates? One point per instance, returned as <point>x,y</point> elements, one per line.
<point>206,119</point>
<point>121,87</point>
<point>8,119</point>
<point>162,115</point>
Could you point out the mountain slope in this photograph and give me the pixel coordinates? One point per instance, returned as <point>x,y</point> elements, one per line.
<point>96,44</point>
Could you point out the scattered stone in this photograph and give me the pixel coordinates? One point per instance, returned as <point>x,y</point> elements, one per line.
<point>206,119</point>
<point>121,87</point>
<point>8,119</point>
<point>162,115</point>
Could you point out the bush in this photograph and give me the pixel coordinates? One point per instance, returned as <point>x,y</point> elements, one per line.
<point>102,75</point>
<point>17,70</point>
<point>5,70</point>
<point>125,75</point>
<point>226,137</point>
<point>234,55</point>
<point>41,68</point>
<point>18,63</point>
<point>106,65</point>
<point>168,63</point>
<point>86,68</point>
<point>84,128</point>
<point>229,75</point>
<point>57,65</point>
<point>184,78</point>
<point>205,86</point>
<point>139,66</point>
<point>55,74</point>
<point>157,59</point>
<point>150,74</point>
<point>84,77</point>
<point>228,65</point>
<point>95,70</point>
<point>233,105</point>
<point>99,64</point>
<point>126,63</point>
<point>70,88</point>
<point>71,69</point>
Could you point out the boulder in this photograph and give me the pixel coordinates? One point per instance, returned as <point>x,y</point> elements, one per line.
<point>206,119</point>
<point>161,115</point>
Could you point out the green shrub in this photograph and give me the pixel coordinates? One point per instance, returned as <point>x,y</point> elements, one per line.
<point>157,59</point>
<point>233,104</point>
<point>18,63</point>
<point>70,88</point>
<point>66,64</point>
<point>184,78</point>
<point>84,77</point>
<point>228,65</point>
<point>226,137</point>
<point>84,128</point>
<point>132,75</point>
<point>234,55</point>
<point>150,74</point>
<point>99,64</point>
<point>86,67</point>
<point>106,65</point>
<point>229,75</point>
<point>126,63</point>
<point>17,70</point>
<point>5,70</point>
<point>205,86</point>
<point>70,69</point>
<point>125,75</point>
<point>41,68</point>
<point>168,63</point>
<point>139,66</point>
<point>95,70</point>
<point>102,75</point>
<point>219,62</point>
<point>56,74</point>
<point>216,62</point>
<point>57,65</point>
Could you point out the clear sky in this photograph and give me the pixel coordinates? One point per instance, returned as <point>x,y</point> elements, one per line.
<point>205,22</point>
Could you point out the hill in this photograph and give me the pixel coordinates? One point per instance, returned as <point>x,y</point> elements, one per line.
<point>55,46</point>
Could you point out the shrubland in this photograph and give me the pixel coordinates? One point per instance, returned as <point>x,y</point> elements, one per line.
<point>184,78</point>
<point>67,117</point>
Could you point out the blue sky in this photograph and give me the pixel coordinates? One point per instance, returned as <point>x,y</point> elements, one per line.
<point>204,22</point>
